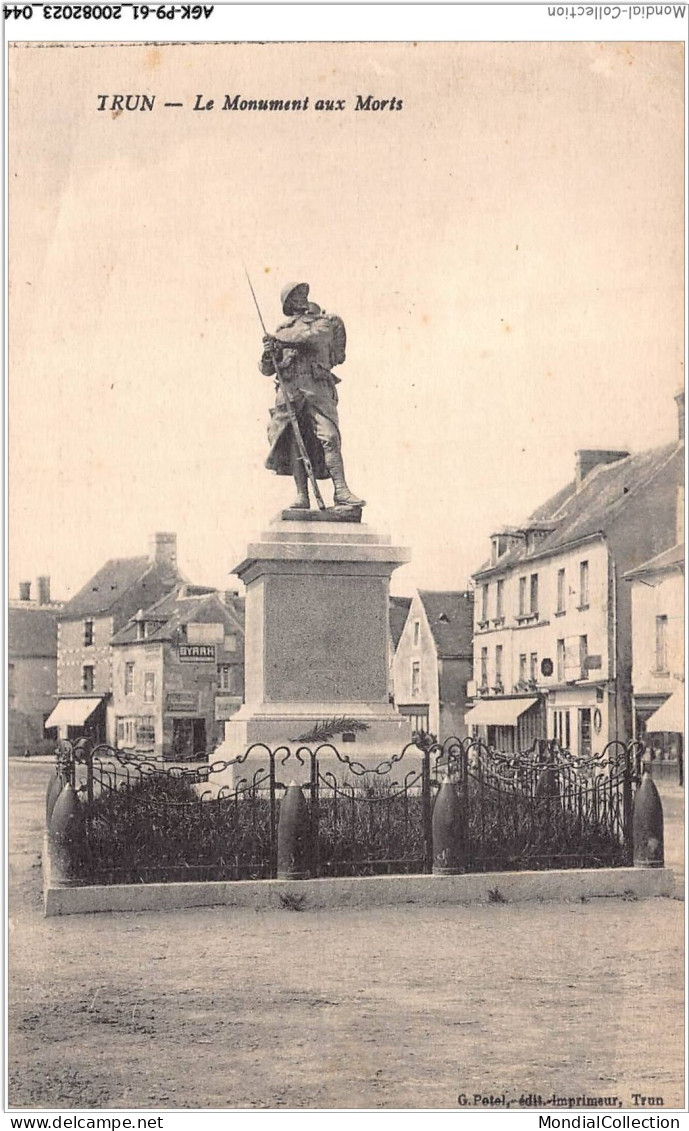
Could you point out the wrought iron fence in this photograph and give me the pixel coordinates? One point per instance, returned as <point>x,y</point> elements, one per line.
<point>545,808</point>
<point>139,821</point>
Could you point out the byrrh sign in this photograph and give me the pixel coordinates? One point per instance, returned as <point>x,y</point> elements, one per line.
<point>197,653</point>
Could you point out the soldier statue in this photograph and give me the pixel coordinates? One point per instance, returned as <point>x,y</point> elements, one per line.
<point>305,348</point>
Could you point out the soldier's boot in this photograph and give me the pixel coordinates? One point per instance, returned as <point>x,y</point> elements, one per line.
<point>301,503</point>
<point>343,496</point>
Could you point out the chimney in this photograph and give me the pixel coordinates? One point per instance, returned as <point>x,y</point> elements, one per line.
<point>163,551</point>
<point>140,625</point>
<point>588,458</point>
<point>44,590</point>
<point>24,590</point>
<point>679,401</point>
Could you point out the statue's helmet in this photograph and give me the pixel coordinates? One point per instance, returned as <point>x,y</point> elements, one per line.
<point>292,291</point>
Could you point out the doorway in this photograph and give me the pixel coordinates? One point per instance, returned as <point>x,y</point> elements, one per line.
<point>584,732</point>
<point>188,739</point>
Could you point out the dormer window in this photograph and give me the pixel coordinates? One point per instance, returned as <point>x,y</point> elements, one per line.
<point>504,541</point>
<point>498,547</point>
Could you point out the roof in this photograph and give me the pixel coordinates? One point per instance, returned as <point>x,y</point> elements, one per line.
<point>122,585</point>
<point>450,615</point>
<point>593,509</point>
<point>176,609</point>
<point>399,611</point>
<point>31,632</point>
<point>672,559</point>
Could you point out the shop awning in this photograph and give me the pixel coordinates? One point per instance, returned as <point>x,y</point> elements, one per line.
<point>499,712</point>
<point>72,712</point>
<point>669,718</point>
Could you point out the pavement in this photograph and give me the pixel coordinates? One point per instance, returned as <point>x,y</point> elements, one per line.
<point>396,1007</point>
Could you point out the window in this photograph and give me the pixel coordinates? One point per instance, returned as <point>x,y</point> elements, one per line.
<point>522,596</point>
<point>661,644</point>
<point>498,667</point>
<point>583,585</point>
<point>500,600</point>
<point>560,591</point>
<point>417,633</point>
<point>126,732</point>
<point>149,687</point>
<point>145,731</point>
<point>522,668</point>
<point>415,677</point>
<point>533,667</point>
<point>129,679</point>
<point>533,594</point>
<point>484,604</point>
<point>583,655</point>
<point>484,667</point>
<point>561,661</point>
<point>88,633</point>
<point>226,677</point>
<point>87,678</point>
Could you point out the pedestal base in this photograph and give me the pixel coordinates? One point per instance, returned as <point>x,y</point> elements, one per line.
<point>290,725</point>
<point>330,514</point>
<point>317,641</point>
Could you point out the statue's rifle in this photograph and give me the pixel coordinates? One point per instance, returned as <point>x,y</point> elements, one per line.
<point>303,454</point>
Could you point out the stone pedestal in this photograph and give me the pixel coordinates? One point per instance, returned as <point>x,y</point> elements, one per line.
<point>316,638</point>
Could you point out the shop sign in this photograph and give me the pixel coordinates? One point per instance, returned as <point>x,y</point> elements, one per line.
<point>197,653</point>
<point>182,701</point>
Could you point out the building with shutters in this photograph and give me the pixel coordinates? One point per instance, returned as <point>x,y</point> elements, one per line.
<point>553,613</point>
<point>178,673</point>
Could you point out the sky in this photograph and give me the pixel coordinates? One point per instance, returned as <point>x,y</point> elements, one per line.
<point>506,252</point>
